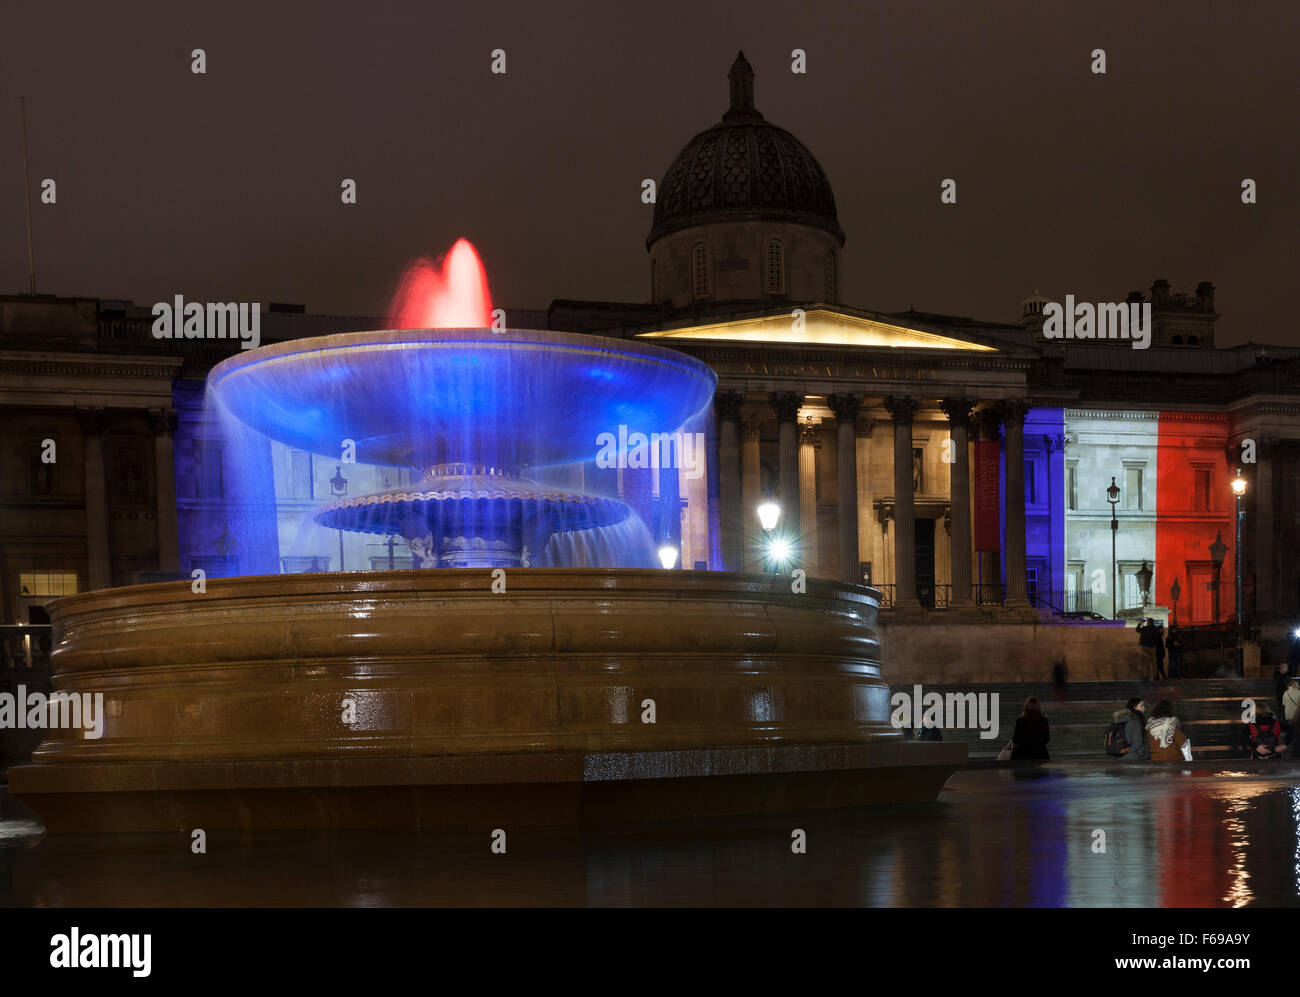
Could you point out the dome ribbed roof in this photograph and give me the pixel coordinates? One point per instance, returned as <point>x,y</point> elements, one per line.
<point>744,168</point>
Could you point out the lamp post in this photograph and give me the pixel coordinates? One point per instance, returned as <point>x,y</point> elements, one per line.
<point>1217,550</point>
<point>668,556</point>
<point>1112,496</point>
<point>339,488</point>
<point>1174,592</point>
<point>1239,492</point>
<point>1144,583</point>
<point>769,513</point>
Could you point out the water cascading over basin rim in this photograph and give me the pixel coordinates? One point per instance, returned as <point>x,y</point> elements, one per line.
<point>476,413</point>
<point>471,389</point>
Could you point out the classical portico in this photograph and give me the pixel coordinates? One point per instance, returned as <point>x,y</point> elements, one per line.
<point>859,428</point>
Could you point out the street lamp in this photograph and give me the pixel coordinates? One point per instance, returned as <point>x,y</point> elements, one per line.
<point>668,556</point>
<point>339,488</point>
<point>1239,492</point>
<point>1112,496</point>
<point>769,513</point>
<point>1175,591</point>
<point>1144,583</point>
<point>1217,550</point>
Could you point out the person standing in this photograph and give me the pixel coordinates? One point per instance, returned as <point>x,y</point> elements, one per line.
<point>1029,740</point>
<point>1146,631</point>
<point>1159,648</point>
<point>1174,645</point>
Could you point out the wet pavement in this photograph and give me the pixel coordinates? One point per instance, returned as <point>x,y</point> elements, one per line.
<point>1082,834</point>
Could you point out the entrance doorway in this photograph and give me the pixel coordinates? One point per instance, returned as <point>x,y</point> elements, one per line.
<point>924,532</point>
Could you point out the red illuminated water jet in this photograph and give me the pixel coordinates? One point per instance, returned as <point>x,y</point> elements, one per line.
<point>451,296</point>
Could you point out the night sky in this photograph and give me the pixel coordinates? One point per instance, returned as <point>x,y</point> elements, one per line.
<point>226,186</point>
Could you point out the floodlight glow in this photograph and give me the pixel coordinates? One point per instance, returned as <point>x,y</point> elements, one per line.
<point>779,550</point>
<point>1239,484</point>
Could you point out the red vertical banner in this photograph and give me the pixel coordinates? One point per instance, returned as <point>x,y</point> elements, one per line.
<point>985,513</point>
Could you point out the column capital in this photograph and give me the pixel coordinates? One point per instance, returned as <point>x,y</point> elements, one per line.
<point>809,432</point>
<point>727,404</point>
<point>162,421</point>
<point>864,426</point>
<point>988,420</point>
<point>751,430</point>
<point>1014,411</point>
<point>93,420</point>
<point>958,411</point>
<point>845,407</point>
<point>902,408</point>
<point>786,404</point>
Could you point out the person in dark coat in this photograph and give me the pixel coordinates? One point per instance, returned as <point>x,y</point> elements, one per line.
<point>1134,719</point>
<point>1174,645</point>
<point>1159,649</point>
<point>1029,741</point>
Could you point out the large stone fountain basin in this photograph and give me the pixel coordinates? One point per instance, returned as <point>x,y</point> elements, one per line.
<point>393,682</point>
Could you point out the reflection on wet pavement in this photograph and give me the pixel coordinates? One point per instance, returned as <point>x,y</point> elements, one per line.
<point>1172,837</point>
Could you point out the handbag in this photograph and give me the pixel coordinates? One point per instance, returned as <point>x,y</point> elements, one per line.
<point>1005,754</point>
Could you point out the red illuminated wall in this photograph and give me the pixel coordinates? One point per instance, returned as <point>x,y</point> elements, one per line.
<point>1192,441</point>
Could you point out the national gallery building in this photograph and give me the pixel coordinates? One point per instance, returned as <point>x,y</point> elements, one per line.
<point>967,468</point>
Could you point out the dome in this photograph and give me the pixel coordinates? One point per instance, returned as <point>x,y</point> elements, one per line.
<point>744,168</point>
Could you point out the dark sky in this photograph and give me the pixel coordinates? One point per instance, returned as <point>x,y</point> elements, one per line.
<point>226,186</point>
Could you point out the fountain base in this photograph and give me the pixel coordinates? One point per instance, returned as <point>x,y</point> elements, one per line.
<point>406,698</point>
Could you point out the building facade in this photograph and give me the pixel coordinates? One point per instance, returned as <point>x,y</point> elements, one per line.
<point>960,465</point>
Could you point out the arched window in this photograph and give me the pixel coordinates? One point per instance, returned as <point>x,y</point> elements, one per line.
<point>775,267</point>
<point>701,270</point>
<point>1193,340</point>
<point>830,278</point>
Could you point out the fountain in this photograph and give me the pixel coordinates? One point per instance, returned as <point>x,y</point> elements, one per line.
<point>533,677</point>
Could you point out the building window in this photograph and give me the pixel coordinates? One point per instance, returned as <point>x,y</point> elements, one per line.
<point>701,270</point>
<point>775,267</point>
<point>42,472</point>
<point>1203,489</point>
<point>1133,488</point>
<point>1077,597</point>
<point>300,475</point>
<point>830,278</point>
<point>47,584</point>
<point>1031,481</point>
<point>1072,485</point>
<point>208,482</point>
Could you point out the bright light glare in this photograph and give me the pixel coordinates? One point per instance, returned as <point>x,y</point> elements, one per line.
<point>768,514</point>
<point>779,550</point>
<point>668,556</point>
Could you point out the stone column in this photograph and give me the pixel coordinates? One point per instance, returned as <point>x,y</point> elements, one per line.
<point>809,433</point>
<point>727,405</point>
<point>751,492</point>
<point>1264,536</point>
<point>99,567</point>
<point>786,405</point>
<point>163,424</point>
<point>863,428</point>
<point>846,408</point>
<point>958,411</point>
<point>1013,420</point>
<point>902,409</point>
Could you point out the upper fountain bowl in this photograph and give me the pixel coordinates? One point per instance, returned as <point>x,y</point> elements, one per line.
<point>425,396</point>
